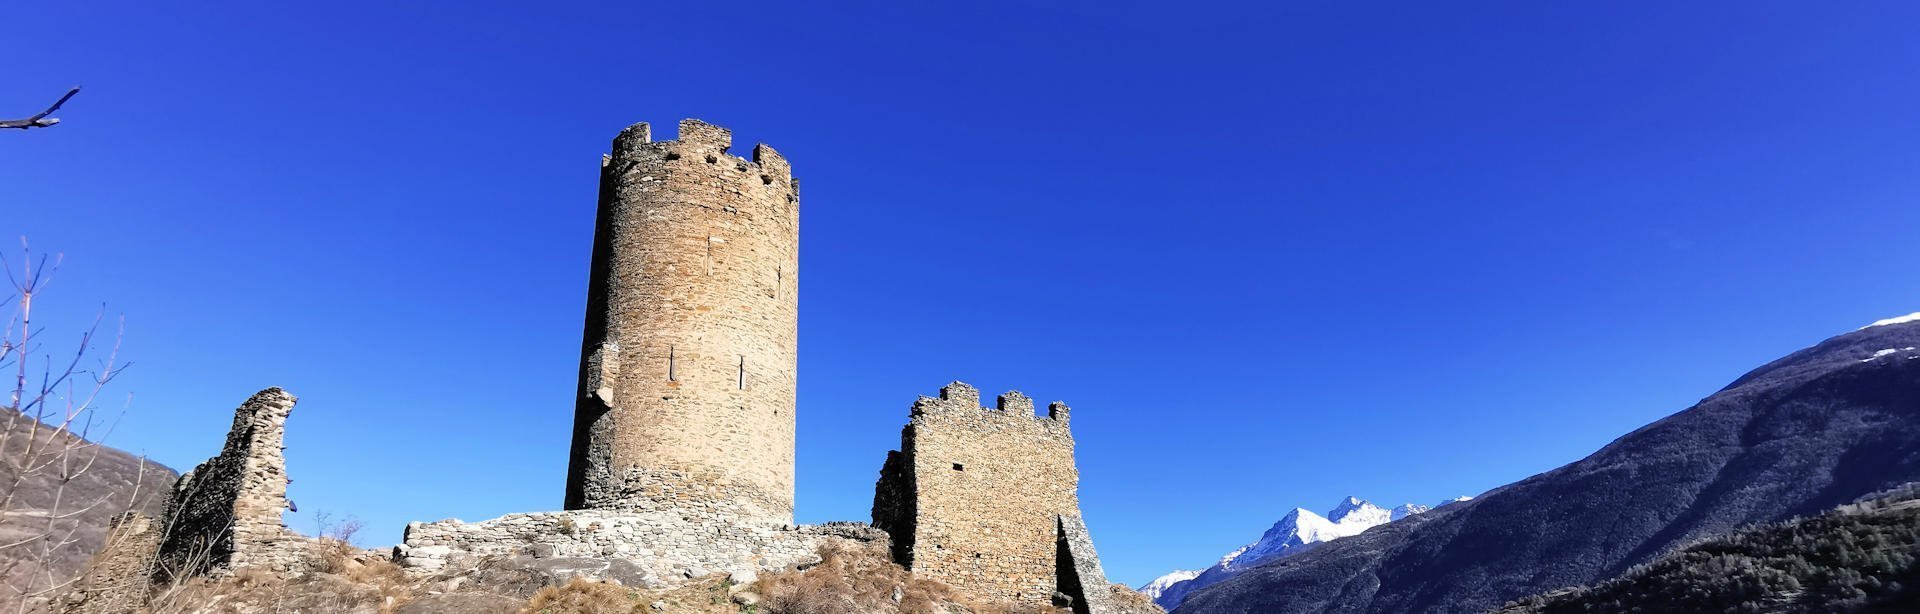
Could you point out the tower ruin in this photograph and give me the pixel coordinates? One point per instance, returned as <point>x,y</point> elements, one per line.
<point>686,392</point>
<point>987,501</point>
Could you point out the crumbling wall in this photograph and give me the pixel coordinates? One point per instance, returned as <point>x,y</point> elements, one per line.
<point>974,497</point>
<point>667,549</point>
<point>894,502</point>
<point>1081,577</point>
<point>224,515</point>
<point>686,389</point>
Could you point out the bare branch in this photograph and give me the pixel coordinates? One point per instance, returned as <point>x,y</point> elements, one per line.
<point>40,120</point>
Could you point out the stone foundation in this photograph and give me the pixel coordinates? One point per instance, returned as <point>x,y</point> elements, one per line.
<point>668,548</point>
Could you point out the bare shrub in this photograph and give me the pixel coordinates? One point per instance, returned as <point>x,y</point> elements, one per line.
<point>49,446</point>
<point>341,530</point>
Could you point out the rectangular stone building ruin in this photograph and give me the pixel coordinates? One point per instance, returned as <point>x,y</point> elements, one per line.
<point>986,500</point>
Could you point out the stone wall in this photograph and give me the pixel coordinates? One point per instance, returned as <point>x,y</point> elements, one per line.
<point>224,515</point>
<point>664,549</point>
<point>975,497</point>
<point>1081,577</point>
<point>686,390</point>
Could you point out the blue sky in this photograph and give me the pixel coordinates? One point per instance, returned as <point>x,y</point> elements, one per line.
<point>1273,254</point>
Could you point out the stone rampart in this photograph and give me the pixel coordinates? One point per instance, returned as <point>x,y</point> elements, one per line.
<point>667,547</point>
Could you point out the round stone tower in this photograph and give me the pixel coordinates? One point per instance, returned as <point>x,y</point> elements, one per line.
<point>686,400</point>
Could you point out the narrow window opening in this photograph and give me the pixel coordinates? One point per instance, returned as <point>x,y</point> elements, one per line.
<point>743,372</point>
<point>779,281</point>
<point>670,364</point>
<point>709,255</point>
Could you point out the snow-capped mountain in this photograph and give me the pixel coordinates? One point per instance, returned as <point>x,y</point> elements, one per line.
<point>1301,528</point>
<point>1296,532</point>
<point>1816,428</point>
<point>1160,585</point>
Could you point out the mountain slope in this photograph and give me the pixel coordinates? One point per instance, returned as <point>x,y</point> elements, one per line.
<point>113,481</point>
<point>1815,429</point>
<point>1860,557</point>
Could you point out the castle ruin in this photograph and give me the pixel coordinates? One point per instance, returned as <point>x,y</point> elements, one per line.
<point>683,445</point>
<point>986,500</point>
<point>682,461</point>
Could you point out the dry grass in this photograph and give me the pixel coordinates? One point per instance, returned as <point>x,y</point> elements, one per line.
<point>1129,600</point>
<point>343,579</point>
<point>863,579</point>
<point>587,597</point>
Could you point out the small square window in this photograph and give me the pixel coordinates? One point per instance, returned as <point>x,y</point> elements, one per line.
<point>959,467</point>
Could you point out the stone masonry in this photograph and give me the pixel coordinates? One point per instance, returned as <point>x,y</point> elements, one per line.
<point>986,501</point>
<point>683,445</point>
<point>662,549</point>
<point>682,460</point>
<point>686,393</point>
<point>221,518</point>
<point>224,515</point>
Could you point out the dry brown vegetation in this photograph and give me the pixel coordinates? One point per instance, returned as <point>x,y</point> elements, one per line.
<point>344,579</point>
<point>58,486</point>
<point>852,579</point>
<point>849,579</point>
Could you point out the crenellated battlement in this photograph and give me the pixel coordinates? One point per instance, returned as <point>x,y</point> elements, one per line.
<point>957,397</point>
<point>699,142</point>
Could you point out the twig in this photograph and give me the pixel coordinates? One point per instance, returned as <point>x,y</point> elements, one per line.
<point>40,120</point>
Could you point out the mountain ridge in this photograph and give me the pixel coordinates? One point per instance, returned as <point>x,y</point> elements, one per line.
<point>1813,429</point>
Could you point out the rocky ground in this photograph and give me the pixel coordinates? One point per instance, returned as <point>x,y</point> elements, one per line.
<point>849,579</point>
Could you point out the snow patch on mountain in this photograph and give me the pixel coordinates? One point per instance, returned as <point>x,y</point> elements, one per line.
<point>1409,509</point>
<point>1296,532</point>
<point>1911,317</point>
<point>1159,585</point>
<point>1878,354</point>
